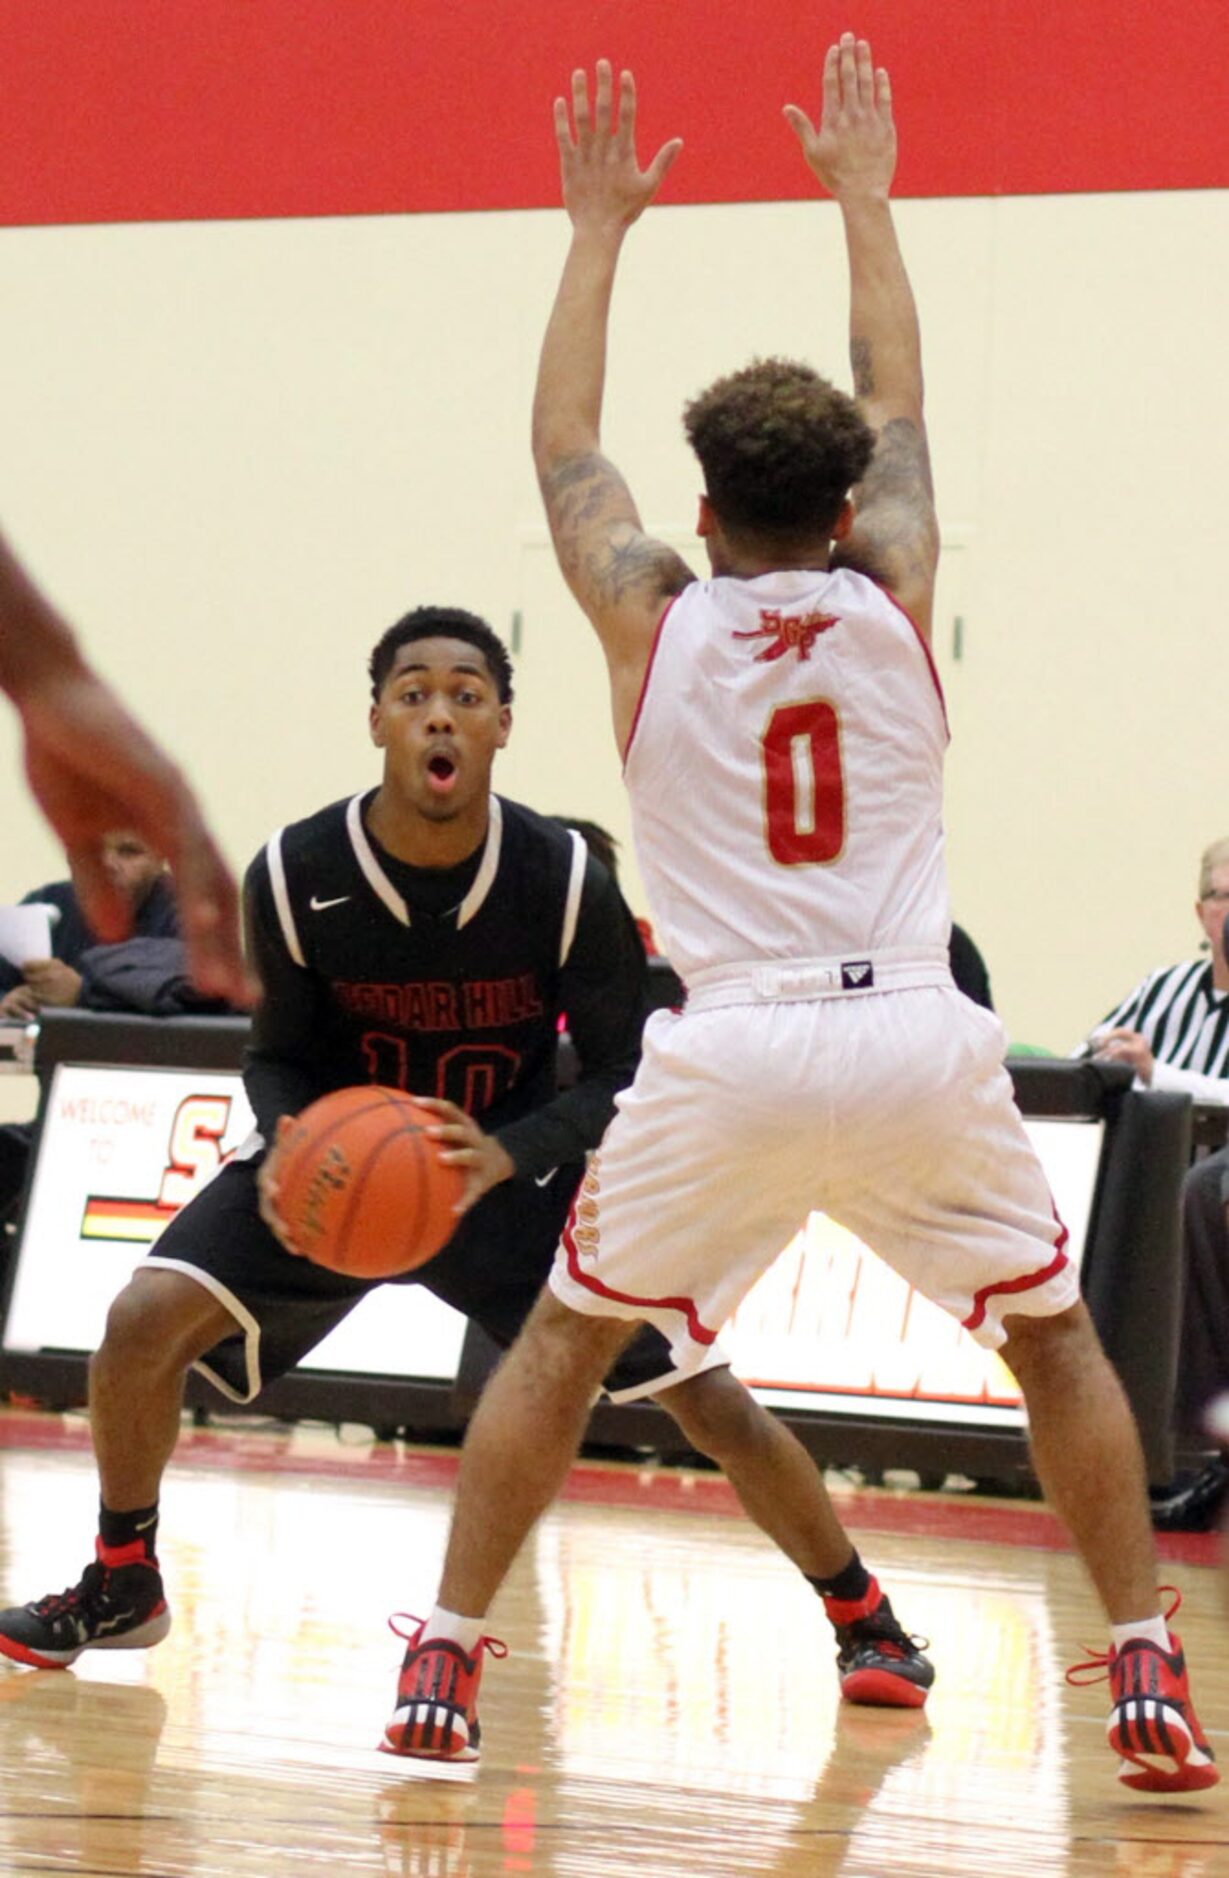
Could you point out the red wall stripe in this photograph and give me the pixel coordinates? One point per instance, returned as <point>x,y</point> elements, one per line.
<point>122,110</point>
<point>384,1463</point>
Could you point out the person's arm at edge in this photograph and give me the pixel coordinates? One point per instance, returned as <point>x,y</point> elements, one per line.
<point>895,533</point>
<point>604,991</point>
<point>92,769</point>
<point>620,576</point>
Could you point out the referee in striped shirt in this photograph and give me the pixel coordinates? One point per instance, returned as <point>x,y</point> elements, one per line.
<point>1173,1029</point>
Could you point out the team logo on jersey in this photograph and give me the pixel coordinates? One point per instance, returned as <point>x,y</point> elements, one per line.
<point>788,632</point>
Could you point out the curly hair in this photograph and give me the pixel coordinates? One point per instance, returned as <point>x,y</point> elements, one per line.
<point>780,448</point>
<point>442,622</point>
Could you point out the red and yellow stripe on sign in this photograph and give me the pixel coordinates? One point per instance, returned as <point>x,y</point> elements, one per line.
<point>137,1222</point>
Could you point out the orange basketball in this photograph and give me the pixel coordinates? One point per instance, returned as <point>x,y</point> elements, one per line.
<point>361,1187</point>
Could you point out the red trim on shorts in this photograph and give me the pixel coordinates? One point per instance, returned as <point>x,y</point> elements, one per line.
<point>695,1329</point>
<point>644,682</point>
<point>1028,1283</point>
<point>925,645</point>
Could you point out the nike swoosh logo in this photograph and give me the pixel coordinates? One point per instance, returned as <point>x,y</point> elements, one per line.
<point>143,1525</point>
<point>318,906</point>
<point>544,1180</point>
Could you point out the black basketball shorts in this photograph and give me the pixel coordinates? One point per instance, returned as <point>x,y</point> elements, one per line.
<point>491,1270</point>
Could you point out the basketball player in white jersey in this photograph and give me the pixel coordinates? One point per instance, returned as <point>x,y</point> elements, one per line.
<point>783,736</point>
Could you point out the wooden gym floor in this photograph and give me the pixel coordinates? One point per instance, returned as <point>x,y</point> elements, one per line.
<point>669,1704</point>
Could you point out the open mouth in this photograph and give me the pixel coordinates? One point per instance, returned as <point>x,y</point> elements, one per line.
<point>441,773</point>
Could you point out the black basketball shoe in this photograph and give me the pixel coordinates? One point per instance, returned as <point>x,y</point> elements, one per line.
<point>119,1604</point>
<point>877,1662</point>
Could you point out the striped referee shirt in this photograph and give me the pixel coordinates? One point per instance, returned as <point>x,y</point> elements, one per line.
<point>1186,1024</point>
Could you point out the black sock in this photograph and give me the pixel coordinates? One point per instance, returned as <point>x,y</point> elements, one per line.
<point>850,1586</point>
<point>139,1527</point>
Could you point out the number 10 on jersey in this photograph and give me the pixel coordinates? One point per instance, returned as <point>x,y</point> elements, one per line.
<point>804,787</point>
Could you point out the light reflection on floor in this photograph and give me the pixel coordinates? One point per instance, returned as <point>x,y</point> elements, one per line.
<point>669,1703</point>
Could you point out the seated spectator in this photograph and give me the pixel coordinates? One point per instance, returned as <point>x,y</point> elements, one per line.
<point>140,875</point>
<point>146,973</point>
<point>1173,1029</point>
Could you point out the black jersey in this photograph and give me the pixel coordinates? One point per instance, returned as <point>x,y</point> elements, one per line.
<point>445,982</point>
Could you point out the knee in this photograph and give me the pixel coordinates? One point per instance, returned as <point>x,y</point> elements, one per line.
<point>160,1322</point>
<point>1036,1346</point>
<point>559,1342</point>
<point>718,1416</point>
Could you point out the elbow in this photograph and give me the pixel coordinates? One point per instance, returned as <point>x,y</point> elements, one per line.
<point>545,451</point>
<point>901,405</point>
<point>550,454</point>
<point>556,441</point>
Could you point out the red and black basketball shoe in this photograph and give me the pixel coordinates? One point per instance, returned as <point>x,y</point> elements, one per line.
<point>1152,1725</point>
<point>436,1717</point>
<point>119,1604</point>
<point>877,1662</point>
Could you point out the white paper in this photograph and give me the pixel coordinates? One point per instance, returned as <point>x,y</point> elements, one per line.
<point>25,931</point>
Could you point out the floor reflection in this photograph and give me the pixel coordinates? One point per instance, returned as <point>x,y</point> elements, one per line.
<point>670,1703</point>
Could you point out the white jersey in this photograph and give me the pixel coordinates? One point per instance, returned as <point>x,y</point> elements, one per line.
<point>785,771</point>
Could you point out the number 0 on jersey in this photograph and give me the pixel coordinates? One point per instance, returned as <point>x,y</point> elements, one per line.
<point>804,787</point>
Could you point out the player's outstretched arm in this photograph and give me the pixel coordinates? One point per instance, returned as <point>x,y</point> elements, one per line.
<point>853,153</point>
<point>620,576</point>
<point>92,770</point>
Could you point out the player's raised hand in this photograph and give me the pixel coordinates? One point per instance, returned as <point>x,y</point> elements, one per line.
<point>604,187</point>
<point>853,153</point>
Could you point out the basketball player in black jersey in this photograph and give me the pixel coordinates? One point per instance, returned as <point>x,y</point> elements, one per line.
<point>427,935</point>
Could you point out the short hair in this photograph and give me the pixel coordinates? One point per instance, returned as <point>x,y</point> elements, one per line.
<point>1212,857</point>
<point>780,448</point>
<point>441,622</point>
<point>599,841</point>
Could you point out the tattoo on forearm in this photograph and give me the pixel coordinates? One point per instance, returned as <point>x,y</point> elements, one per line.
<point>895,534</point>
<point>861,359</point>
<point>598,538</point>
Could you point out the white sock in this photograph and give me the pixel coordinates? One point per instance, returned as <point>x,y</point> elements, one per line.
<point>455,1629</point>
<point>1150,1629</point>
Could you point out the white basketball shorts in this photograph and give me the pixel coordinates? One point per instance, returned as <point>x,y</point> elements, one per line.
<point>890,1111</point>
